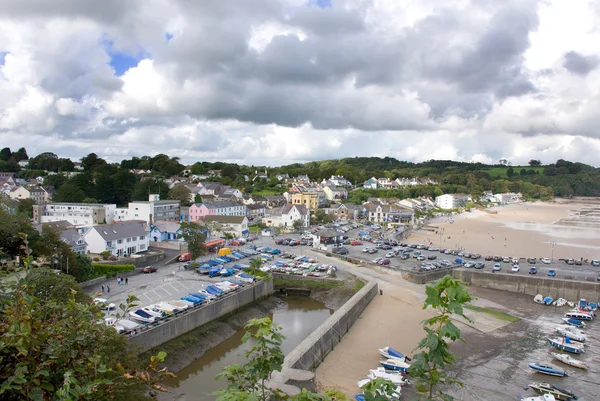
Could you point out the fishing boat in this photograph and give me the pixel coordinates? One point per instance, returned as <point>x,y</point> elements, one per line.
<point>571,333</point>
<point>558,392</point>
<point>575,314</point>
<point>548,301</point>
<point>395,364</point>
<point>564,344</point>
<point>547,369</point>
<point>569,360</point>
<point>543,397</point>
<point>393,376</point>
<point>573,322</point>
<point>538,299</point>
<point>390,353</point>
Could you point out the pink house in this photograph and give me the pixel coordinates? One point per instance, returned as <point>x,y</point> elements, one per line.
<point>199,210</point>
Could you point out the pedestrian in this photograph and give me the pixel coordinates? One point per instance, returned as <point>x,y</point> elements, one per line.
<point>108,288</point>
<point>119,280</point>
<point>103,288</point>
<point>126,280</point>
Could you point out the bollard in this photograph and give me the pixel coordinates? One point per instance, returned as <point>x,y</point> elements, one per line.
<point>380,292</point>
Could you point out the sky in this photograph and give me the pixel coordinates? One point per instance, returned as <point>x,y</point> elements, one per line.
<point>271,82</point>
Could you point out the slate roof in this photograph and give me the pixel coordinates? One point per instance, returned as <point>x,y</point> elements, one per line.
<point>301,208</point>
<point>71,237</point>
<point>120,230</point>
<point>224,219</point>
<point>60,225</point>
<point>167,226</point>
<point>220,205</point>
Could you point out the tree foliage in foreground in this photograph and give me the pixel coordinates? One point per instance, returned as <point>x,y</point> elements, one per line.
<point>447,297</point>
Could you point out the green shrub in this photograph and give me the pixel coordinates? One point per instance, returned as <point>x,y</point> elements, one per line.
<point>112,270</point>
<point>96,259</point>
<point>105,255</point>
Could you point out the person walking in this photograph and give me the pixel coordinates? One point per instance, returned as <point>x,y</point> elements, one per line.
<point>126,280</point>
<point>108,288</point>
<point>118,280</point>
<point>103,288</point>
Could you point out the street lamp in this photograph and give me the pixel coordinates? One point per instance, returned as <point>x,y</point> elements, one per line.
<point>552,257</point>
<point>441,232</point>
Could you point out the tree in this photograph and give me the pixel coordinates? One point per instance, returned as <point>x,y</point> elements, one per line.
<point>5,154</point>
<point>297,224</point>
<point>92,162</point>
<point>180,193</point>
<point>197,198</point>
<point>255,264</point>
<point>447,296</point>
<point>535,163</point>
<point>510,172</point>
<point>25,207</point>
<point>69,192</point>
<point>143,189</point>
<point>193,235</point>
<point>47,285</point>
<point>85,270</point>
<point>20,155</point>
<point>11,227</point>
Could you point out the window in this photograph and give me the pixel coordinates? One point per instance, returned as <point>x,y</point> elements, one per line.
<point>141,237</point>
<point>119,241</point>
<point>128,239</point>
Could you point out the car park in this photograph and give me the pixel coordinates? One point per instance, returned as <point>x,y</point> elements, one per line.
<point>515,268</point>
<point>497,267</point>
<point>551,273</point>
<point>149,269</point>
<point>546,261</point>
<point>532,270</point>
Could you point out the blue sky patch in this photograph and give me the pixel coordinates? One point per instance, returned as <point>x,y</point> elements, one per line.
<point>322,3</point>
<point>168,36</point>
<point>120,61</point>
<point>2,57</point>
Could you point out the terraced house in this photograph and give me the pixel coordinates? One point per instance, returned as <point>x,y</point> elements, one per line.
<point>200,210</point>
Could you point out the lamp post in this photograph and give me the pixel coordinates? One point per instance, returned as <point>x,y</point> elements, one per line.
<point>441,232</point>
<point>552,257</point>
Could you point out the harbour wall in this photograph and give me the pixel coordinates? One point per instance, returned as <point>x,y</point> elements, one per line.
<point>153,336</point>
<point>571,290</point>
<point>313,350</point>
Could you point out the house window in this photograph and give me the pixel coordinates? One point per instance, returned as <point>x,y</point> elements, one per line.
<point>119,241</point>
<point>141,238</point>
<point>128,239</point>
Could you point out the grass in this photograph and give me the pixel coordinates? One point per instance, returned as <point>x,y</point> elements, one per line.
<point>493,312</point>
<point>308,284</point>
<point>254,229</point>
<point>501,171</point>
<point>358,285</point>
<point>268,191</point>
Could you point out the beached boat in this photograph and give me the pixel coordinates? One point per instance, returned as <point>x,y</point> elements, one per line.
<point>575,314</point>
<point>395,364</point>
<point>547,369</point>
<point>560,302</point>
<point>543,397</point>
<point>558,392</point>
<point>538,299</point>
<point>564,344</point>
<point>548,301</point>
<point>569,360</point>
<point>573,322</point>
<point>393,376</point>
<point>390,353</point>
<point>571,332</point>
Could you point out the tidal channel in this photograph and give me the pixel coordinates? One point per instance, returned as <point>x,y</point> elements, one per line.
<point>298,319</point>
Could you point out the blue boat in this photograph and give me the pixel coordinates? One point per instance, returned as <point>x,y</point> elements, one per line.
<point>194,300</point>
<point>573,322</point>
<point>566,344</point>
<point>592,306</point>
<point>226,272</point>
<point>390,353</point>
<point>198,295</point>
<point>214,290</point>
<point>548,301</point>
<point>359,397</point>
<point>214,272</point>
<point>395,364</point>
<point>547,370</point>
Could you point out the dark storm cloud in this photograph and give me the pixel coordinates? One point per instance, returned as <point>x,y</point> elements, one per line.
<point>105,11</point>
<point>580,64</point>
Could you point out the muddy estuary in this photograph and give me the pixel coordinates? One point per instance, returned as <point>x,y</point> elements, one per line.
<point>298,316</point>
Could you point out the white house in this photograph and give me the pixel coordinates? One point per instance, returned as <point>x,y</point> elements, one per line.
<point>371,183</point>
<point>120,239</point>
<point>237,225</point>
<point>284,218</point>
<point>152,210</point>
<point>78,214</point>
<point>508,197</point>
<point>451,201</point>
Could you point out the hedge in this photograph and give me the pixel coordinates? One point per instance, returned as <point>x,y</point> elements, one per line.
<point>112,270</point>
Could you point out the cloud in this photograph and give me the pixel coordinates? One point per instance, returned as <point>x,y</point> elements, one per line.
<point>280,81</point>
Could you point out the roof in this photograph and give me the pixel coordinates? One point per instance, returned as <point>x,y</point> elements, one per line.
<point>71,237</point>
<point>255,206</point>
<point>273,197</point>
<point>167,226</point>
<point>224,219</point>
<point>120,230</point>
<point>301,209</point>
<point>60,225</point>
<point>328,233</point>
<point>220,205</point>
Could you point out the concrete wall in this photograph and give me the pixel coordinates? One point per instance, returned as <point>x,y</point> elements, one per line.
<point>142,261</point>
<point>531,285</point>
<point>311,352</point>
<point>153,336</point>
<point>307,278</point>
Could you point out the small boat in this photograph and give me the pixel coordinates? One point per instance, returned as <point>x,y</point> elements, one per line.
<point>390,353</point>
<point>543,397</point>
<point>538,299</point>
<point>579,315</point>
<point>573,322</point>
<point>564,344</point>
<point>560,302</point>
<point>592,306</point>
<point>548,301</point>
<point>395,364</point>
<point>569,360</point>
<point>142,316</point>
<point>571,333</point>
<point>558,392</point>
<point>393,376</point>
<point>547,369</point>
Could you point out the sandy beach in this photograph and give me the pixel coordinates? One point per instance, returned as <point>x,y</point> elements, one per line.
<point>521,230</point>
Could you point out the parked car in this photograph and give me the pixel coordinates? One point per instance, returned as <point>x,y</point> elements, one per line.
<point>372,251</point>
<point>551,273</point>
<point>570,261</point>
<point>515,268</point>
<point>341,251</point>
<point>384,262</point>
<point>421,258</point>
<point>149,269</point>
<point>506,259</point>
<point>489,257</point>
<point>532,261</point>
<point>532,270</point>
<point>497,258</point>
<point>595,263</point>
<point>390,255</point>
<point>376,260</point>
<point>104,304</point>
<point>497,267</point>
<point>355,243</point>
<point>546,261</point>
<point>475,256</point>
<point>365,250</point>
<point>598,278</point>
<point>469,264</point>
<point>479,265</point>
<point>578,262</point>
<point>404,256</point>
<point>432,257</point>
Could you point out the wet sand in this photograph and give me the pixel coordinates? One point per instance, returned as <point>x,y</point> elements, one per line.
<point>522,230</point>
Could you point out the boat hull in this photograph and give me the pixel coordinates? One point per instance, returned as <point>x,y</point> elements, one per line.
<point>546,370</point>
<point>563,346</point>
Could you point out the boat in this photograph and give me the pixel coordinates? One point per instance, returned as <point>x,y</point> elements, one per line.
<point>393,376</point>
<point>543,397</point>
<point>179,305</point>
<point>547,369</point>
<point>575,314</point>
<point>538,299</point>
<point>142,316</point>
<point>564,344</point>
<point>153,312</point>
<point>560,302</point>
<point>571,333</point>
<point>573,322</point>
<point>558,392</point>
<point>390,353</point>
<point>395,394</point>
<point>592,306</point>
<point>548,301</point>
<point>395,364</point>
<point>569,360</point>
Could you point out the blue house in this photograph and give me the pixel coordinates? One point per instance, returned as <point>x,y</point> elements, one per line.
<point>371,183</point>
<point>165,231</point>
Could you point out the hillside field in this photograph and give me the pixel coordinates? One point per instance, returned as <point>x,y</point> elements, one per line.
<point>501,171</point>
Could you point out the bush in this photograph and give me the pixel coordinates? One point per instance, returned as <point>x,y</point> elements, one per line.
<point>112,270</point>
<point>112,257</point>
<point>96,259</point>
<point>105,255</point>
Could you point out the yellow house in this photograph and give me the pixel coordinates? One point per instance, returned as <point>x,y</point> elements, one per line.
<point>310,200</point>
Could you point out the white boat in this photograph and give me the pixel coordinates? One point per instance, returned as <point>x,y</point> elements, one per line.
<point>142,316</point>
<point>573,322</point>
<point>179,305</point>
<point>104,304</point>
<point>569,360</point>
<point>538,299</point>
<point>543,397</point>
<point>560,302</point>
<point>395,364</point>
<point>223,287</point>
<point>165,307</point>
<point>576,314</point>
<point>153,312</point>
<point>571,332</point>
<point>394,377</point>
<point>390,353</point>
